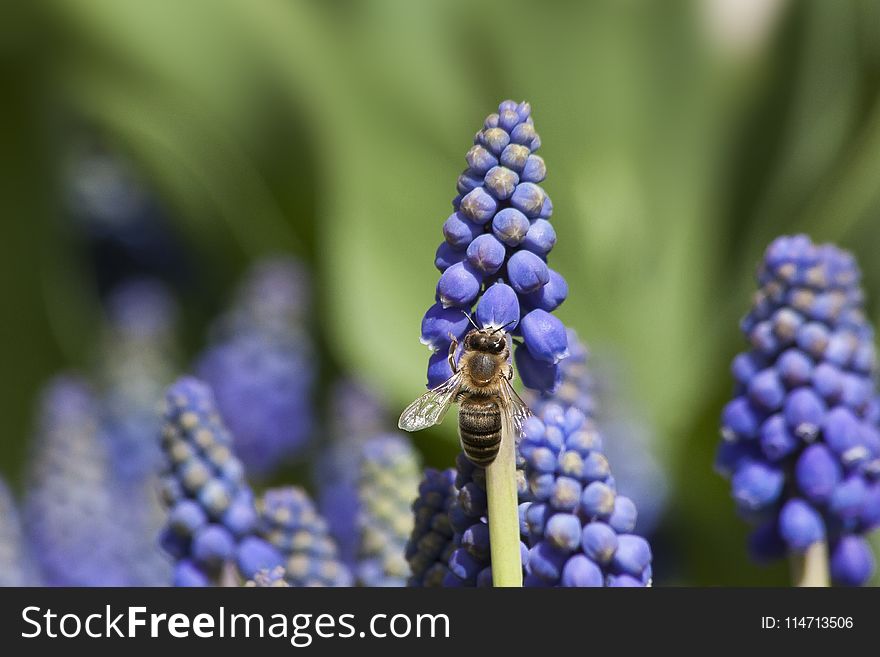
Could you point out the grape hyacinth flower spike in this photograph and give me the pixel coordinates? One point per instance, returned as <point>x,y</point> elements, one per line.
<point>260,365</point>
<point>801,444</point>
<point>16,565</point>
<point>493,263</point>
<point>212,530</point>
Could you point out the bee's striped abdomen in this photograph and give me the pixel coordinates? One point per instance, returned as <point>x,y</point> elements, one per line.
<point>479,427</point>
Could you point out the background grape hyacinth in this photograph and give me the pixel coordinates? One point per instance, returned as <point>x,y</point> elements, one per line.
<point>800,438</point>
<point>495,253</point>
<point>212,528</point>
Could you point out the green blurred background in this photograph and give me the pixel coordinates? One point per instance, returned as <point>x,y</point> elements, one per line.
<point>680,138</point>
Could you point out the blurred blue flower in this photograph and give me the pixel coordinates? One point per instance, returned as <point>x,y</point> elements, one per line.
<point>801,443</point>
<point>260,366</point>
<point>16,563</point>
<point>212,525</point>
<point>431,543</point>
<point>495,253</point>
<point>70,513</point>
<point>289,521</point>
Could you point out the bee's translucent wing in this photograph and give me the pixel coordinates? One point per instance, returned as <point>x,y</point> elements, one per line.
<point>429,409</point>
<point>516,408</point>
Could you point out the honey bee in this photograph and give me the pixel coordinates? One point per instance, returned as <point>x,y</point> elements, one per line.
<point>481,384</point>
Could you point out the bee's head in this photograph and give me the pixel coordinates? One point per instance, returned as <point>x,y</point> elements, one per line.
<point>492,342</point>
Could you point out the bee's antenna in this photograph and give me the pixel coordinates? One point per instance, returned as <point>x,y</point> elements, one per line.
<point>501,328</point>
<point>471,320</point>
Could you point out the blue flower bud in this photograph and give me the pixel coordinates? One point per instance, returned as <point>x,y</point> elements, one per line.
<point>498,307</point>
<point>597,500</point>
<point>515,156</point>
<point>804,411</point>
<point>460,231</point>
<point>459,285</point>
<point>187,517</point>
<point>852,562</point>
<point>566,494</point>
<point>438,369</point>
<point>254,554</point>
<point>795,368</point>
<point>528,198</point>
<point>551,296</point>
<point>623,517</point>
<point>739,420</point>
<point>187,574</point>
<point>580,571</point>
<point>526,272</point>
<point>501,181</point>
<point>534,170</point>
<point>632,556</point>
<point>495,139</point>
<point>599,542</point>
<point>546,562</point>
<point>777,440</point>
<point>447,256</point>
<point>540,238</point>
<point>439,323</point>
<point>848,498</point>
<point>745,366</point>
<point>544,336</point>
<point>817,472</point>
<point>478,206</point>
<point>800,525</point>
<point>756,485</point>
<point>486,253</point>
<point>510,226</point>
<point>524,134</point>
<point>212,546</point>
<point>766,390</point>
<point>480,160</point>
<point>536,374</point>
<point>563,531</point>
<point>827,380</point>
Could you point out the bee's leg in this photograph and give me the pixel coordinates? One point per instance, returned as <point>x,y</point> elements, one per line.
<point>509,373</point>
<point>453,345</point>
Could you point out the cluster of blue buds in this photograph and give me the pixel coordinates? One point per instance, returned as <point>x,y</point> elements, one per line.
<point>260,366</point>
<point>579,530</point>
<point>289,521</point>
<point>212,528</point>
<point>495,253</point>
<point>367,479</point>
<point>388,482</point>
<point>70,511</point>
<point>800,439</point>
<point>16,566</point>
<point>636,471</point>
<point>431,543</point>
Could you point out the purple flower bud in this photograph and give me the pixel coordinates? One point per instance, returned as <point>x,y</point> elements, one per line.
<point>745,366</point>
<point>794,368</point>
<point>804,412</point>
<point>598,500</point>
<point>813,338</point>
<point>459,285</point>
<point>756,485</point>
<point>828,382</point>
<point>187,574</point>
<point>478,206</point>
<point>544,336</point>
<point>739,420</point>
<point>498,307</point>
<point>447,256</point>
<point>624,516</point>
<point>438,369</point>
<point>599,542</point>
<point>766,390</point>
<point>524,134</point>
<point>534,170</point>
<point>439,323</point>
<point>546,562</point>
<point>852,562</point>
<point>777,440</point>
<point>495,139</point>
<point>467,181</point>
<point>848,498</point>
<point>459,231</point>
<point>563,531</point>
<point>579,571</point>
<point>540,238</point>
<point>817,472</point>
<point>480,160</point>
<point>510,226</point>
<point>501,181</point>
<point>551,296</point>
<point>632,556</point>
<point>486,253</point>
<point>514,156</point>
<point>255,554</point>
<point>212,546</point>
<point>800,525</point>
<point>528,198</point>
<point>526,272</point>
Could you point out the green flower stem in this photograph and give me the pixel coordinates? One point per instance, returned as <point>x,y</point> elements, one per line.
<point>811,567</point>
<point>504,513</point>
